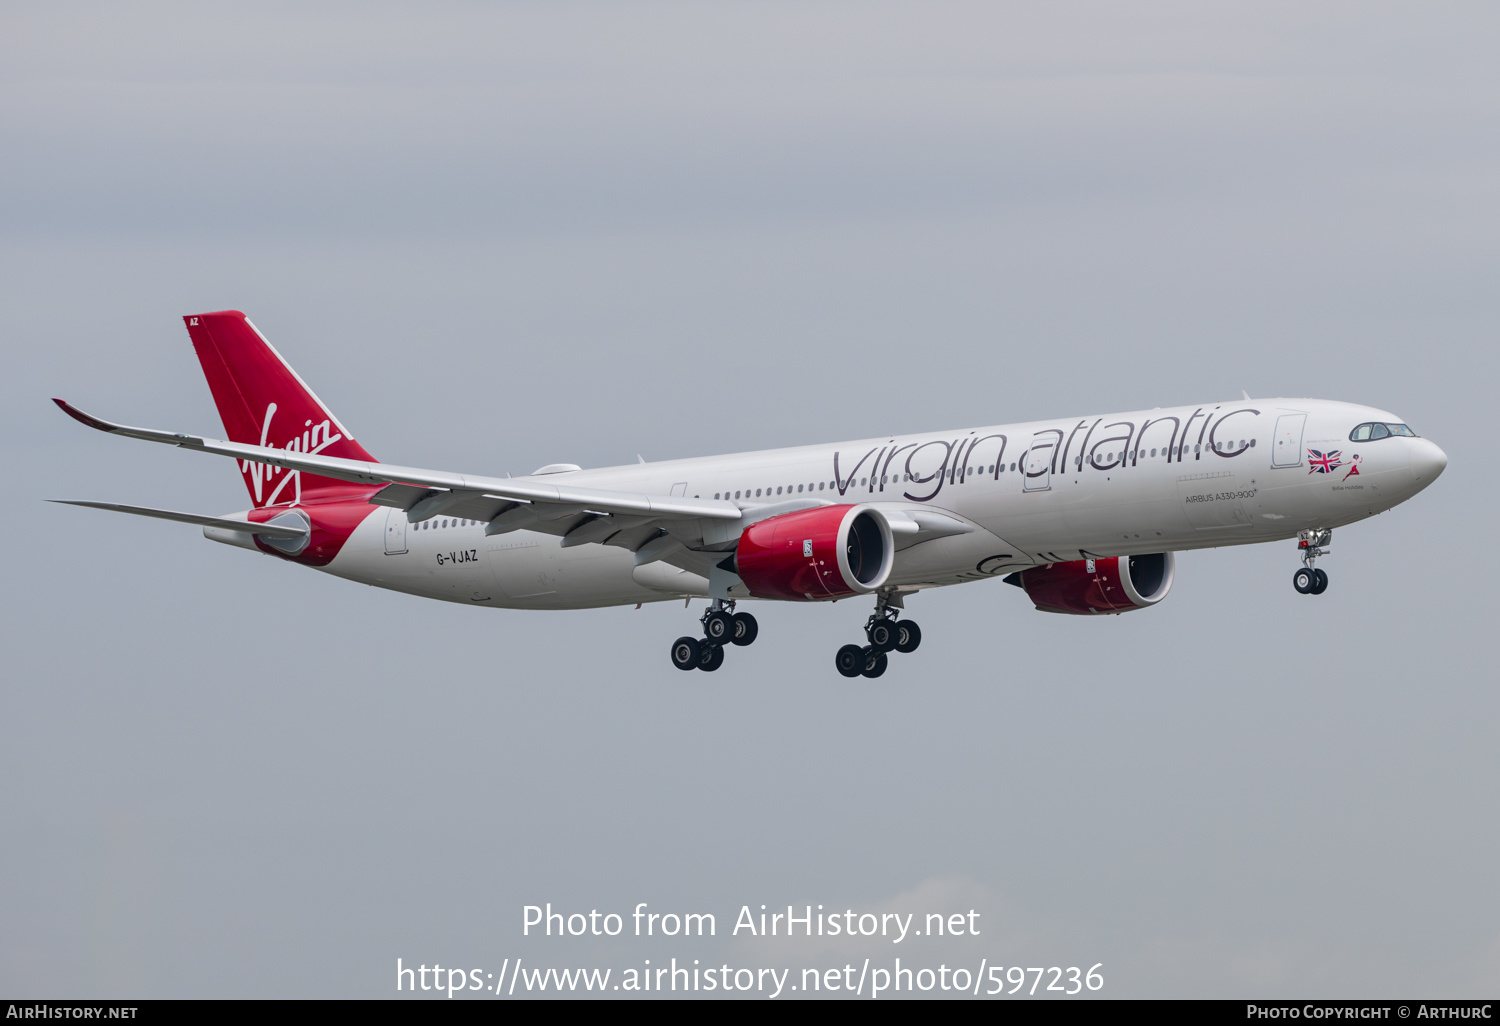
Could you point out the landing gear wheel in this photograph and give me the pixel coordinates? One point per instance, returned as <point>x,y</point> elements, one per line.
<point>686,652</point>
<point>711,657</point>
<point>1321,584</point>
<point>908,636</point>
<point>718,626</point>
<point>883,635</point>
<point>745,629</point>
<point>1304,580</point>
<point>850,660</point>
<point>875,661</point>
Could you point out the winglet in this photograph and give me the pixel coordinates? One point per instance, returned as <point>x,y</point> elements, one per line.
<point>84,418</point>
<point>1244,393</point>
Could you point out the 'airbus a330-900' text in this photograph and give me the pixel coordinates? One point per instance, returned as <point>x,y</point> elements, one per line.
<point>1083,513</point>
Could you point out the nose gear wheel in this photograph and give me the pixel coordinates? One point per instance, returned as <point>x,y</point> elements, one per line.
<point>1310,580</point>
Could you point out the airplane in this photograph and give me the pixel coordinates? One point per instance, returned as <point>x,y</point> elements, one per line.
<point>1083,514</point>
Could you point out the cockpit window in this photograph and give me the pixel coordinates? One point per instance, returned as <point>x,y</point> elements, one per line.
<point>1372,431</point>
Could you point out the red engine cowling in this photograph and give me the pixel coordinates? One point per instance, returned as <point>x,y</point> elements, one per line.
<point>823,553</point>
<point>1089,586</point>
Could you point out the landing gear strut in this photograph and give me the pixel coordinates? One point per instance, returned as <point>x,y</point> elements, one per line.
<point>1310,580</point>
<point>721,626</point>
<point>885,634</point>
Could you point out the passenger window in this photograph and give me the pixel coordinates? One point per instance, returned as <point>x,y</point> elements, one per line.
<point>1379,431</point>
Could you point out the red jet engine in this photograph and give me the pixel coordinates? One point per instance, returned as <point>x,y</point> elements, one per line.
<point>1118,584</point>
<point>827,552</point>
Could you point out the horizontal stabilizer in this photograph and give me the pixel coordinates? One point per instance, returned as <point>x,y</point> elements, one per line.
<point>223,523</point>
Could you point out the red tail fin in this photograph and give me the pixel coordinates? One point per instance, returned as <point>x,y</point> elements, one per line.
<point>262,401</point>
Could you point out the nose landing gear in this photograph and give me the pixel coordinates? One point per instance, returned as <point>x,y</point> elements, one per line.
<point>885,634</point>
<point>721,626</point>
<point>1310,580</point>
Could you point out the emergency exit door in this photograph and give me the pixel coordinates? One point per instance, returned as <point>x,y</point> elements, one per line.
<point>395,531</point>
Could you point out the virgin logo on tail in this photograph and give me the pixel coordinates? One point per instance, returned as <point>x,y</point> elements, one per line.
<point>314,439</point>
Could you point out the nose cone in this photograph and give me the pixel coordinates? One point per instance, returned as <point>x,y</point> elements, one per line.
<point>1426,461</point>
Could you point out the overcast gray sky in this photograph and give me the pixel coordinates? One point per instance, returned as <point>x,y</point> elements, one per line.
<point>495,236</point>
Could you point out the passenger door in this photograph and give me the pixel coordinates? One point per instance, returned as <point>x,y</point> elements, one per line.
<point>1286,447</point>
<point>1038,463</point>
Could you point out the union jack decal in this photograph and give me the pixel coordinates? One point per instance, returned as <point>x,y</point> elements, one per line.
<point>1323,462</point>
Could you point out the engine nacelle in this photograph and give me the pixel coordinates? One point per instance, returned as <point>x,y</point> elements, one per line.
<point>827,552</point>
<point>1118,584</point>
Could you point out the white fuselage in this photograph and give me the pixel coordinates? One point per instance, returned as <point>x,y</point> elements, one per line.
<point>1191,477</point>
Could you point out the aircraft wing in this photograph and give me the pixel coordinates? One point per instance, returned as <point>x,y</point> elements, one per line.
<point>426,493</point>
<point>223,523</point>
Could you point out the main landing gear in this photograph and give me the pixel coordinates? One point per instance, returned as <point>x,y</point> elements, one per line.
<point>721,626</point>
<point>885,634</point>
<point>1310,580</point>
